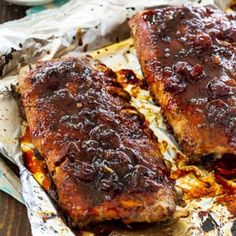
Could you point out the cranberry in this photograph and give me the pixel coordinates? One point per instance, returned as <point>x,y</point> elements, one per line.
<point>202,42</point>
<point>91,147</point>
<point>185,72</point>
<point>217,111</point>
<point>183,68</point>
<point>110,183</point>
<point>196,71</point>
<point>167,71</point>
<point>218,89</point>
<point>84,172</point>
<point>175,85</point>
<point>122,157</point>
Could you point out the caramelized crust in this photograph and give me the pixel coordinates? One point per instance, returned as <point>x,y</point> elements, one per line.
<point>187,56</point>
<point>103,159</point>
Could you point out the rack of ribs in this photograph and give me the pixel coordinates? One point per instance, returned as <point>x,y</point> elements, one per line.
<point>187,55</point>
<point>103,159</point>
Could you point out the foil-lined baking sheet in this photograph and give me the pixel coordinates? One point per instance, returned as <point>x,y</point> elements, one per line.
<point>81,27</point>
<point>202,212</point>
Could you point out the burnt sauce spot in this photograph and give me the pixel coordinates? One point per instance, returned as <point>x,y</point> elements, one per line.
<point>127,77</point>
<point>226,166</point>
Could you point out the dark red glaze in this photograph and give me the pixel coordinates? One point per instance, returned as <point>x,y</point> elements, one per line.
<point>92,135</point>
<point>188,58</point>
<point>226,167</point>
<point>96,145</point>
<point>129,76</point>
<point>229,193</point>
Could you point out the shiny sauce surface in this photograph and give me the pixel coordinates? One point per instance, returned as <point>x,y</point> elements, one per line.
<point>196,59</point>
<point>100,140</point>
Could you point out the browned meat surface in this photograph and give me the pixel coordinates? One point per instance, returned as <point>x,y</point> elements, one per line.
<point>187,56</point>
<point>104,161</point>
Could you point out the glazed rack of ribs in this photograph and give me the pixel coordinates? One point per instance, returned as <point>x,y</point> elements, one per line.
<point>187,55</point>
<point>104,161</point>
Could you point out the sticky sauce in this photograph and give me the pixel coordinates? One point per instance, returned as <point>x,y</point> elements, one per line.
<point>190,66</point>
<point>102,141</point>
<point>225,174</point>
<point>226,167</point>
<point>36,166</point>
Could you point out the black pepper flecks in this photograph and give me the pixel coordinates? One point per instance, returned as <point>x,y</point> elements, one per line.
<point>130,8</point>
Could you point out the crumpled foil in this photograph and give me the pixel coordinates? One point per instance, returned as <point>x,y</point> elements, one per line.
<point>78,27</point>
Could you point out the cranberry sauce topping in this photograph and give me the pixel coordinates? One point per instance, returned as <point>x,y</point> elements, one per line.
<point>196,60</point>
<point>102,141</point>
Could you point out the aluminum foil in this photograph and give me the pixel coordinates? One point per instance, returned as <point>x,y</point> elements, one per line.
<point>57,32</point>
